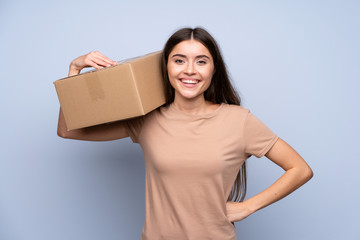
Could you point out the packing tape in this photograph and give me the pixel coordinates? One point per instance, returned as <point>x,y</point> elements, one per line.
<point>94,87</point>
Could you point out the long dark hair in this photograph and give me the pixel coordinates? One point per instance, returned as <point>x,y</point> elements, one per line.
<point>219,91</point>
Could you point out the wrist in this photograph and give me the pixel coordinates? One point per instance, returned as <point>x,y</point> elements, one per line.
<point>250,206</point>
<point>73,70</point>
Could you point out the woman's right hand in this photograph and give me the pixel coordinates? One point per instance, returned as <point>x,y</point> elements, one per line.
<point>93,59</point>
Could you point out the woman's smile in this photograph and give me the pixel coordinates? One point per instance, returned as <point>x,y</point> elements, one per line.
<point>189,82</point>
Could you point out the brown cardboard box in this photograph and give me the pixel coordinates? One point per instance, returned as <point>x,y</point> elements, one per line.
<point>129,89</point>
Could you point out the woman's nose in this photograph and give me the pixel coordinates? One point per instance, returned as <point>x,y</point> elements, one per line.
<point>190,69</point>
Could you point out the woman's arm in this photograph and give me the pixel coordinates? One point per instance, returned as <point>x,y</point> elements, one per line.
<point>103,132</point>
<point>297,173</point>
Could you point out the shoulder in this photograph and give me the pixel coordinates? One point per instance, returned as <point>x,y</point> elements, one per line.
<point>235,109</point>
<point>141,120</point>
<point>231,115</point>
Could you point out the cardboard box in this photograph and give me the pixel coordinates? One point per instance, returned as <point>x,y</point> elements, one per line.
<point>130,89</point>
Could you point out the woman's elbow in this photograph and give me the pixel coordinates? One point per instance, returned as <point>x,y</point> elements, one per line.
<point>63,133</point>
<point>307,173</point>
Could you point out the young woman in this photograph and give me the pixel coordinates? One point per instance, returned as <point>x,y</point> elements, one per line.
<point>195,145</point>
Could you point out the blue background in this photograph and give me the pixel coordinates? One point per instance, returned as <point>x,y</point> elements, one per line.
<point>295,64</point>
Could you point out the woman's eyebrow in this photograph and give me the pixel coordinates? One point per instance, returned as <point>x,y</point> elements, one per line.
<point>179,55</point>
<point>183,56</point>
<point>202,56</point>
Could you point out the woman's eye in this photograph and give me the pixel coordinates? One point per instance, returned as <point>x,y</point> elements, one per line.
<point>179,61</point>
<point>202,62</point>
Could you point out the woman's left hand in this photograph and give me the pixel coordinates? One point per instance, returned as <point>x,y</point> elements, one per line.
<point>236,211</point>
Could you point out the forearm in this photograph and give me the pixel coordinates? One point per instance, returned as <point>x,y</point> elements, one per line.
<point>291,180</point>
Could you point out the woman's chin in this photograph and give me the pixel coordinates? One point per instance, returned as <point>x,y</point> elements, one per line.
<point>190,96</point>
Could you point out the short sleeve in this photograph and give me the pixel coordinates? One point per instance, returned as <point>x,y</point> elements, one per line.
<point>258,137</point>
<point>133,127</point>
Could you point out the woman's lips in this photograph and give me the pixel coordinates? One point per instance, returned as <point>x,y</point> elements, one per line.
<point>189,82</point>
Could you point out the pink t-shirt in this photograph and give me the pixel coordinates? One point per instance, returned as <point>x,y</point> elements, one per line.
<point>191,163</point>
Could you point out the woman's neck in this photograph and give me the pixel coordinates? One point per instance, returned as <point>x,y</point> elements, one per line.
<point>193,106</point>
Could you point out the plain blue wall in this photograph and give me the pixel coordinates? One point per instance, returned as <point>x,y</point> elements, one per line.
<point>295,63</point>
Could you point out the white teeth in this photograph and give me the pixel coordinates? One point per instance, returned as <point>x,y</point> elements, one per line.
<point>189,81</point>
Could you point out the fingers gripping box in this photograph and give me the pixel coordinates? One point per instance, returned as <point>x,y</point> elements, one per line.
<point>132,88</point>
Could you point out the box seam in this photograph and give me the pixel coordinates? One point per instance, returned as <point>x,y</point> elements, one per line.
<point>137,89</point>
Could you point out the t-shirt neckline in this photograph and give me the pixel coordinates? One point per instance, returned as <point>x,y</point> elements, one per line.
<point>189,115</point>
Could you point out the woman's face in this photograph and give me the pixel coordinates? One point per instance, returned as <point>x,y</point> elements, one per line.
<point>190,68</point>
